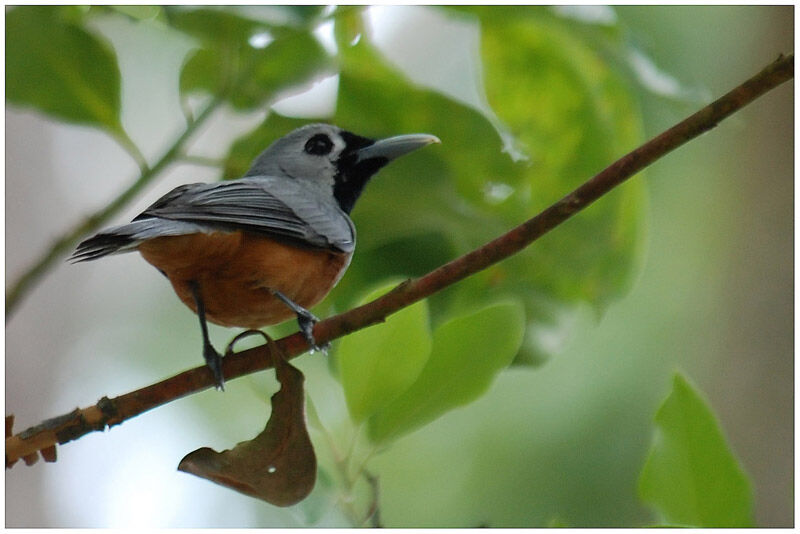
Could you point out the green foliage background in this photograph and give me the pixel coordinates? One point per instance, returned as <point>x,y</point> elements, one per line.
<point>562,434</point>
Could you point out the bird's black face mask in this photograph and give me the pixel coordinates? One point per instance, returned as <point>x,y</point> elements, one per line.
<point>354,173</point>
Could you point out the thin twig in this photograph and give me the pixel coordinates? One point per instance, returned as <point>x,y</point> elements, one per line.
<point>132,148</point>
<point>109,412</point>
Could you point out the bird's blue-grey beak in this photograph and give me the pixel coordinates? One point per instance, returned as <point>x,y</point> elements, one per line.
<point>394,147</point>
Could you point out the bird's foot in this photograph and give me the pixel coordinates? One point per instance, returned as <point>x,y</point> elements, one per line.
<point>306,320</point>
<point>214,362</point>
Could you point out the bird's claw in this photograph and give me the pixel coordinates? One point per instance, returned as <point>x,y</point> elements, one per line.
<point>306,320</point>
<point>214,362</point>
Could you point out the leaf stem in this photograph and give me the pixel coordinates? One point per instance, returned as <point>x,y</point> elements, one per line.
<point>132,148</point>
<point>374,511</point>
<point>186,109</point>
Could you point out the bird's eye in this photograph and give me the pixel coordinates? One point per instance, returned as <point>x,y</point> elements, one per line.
<point>319,145</point>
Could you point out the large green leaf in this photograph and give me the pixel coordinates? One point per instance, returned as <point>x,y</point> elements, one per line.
<point>467,353</point>
<point>552,85</point>
<point>575,115</point>
<point>380,362</point>
<point>248,61</point>
<point>136,12</point>
<point>57,67</point>
<point>691,476</point>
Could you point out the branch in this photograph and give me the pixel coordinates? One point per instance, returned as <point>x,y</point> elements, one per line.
<point>90,224</point>
<point>109,412</point>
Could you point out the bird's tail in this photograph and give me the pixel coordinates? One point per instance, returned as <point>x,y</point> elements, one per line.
<point>127,237</point>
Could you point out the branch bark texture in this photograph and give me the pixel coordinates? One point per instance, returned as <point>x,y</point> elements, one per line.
<point>109,412</point>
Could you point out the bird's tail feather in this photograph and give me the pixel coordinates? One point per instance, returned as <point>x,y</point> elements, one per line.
<point>127,237</point>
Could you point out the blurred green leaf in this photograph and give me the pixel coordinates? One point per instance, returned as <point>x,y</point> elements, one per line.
<point>551,86</point>
<point>57,67</point>
<point>575,116</point>
<point>691,476</point>
<point>249,61</point>
<point>210,25</point>
<point>305,13</point>
<point>138,12</point>
<point>380,362</point>
<point>468,352</point>
<point>557,522</point>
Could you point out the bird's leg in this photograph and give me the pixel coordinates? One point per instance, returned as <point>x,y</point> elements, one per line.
<point>305,319</point>
<point>212,357</point>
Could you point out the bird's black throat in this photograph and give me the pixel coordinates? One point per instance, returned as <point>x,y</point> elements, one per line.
<point>353,174</point>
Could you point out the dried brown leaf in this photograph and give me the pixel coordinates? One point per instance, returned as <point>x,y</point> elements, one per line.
<point>278,465</point>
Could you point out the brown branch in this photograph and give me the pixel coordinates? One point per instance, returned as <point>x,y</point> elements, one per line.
<point>109,412</point>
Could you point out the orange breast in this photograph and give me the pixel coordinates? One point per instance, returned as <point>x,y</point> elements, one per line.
<point>237,271</point>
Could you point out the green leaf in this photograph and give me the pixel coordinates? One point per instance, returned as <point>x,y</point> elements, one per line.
<point>304,13</point>
<point>380,362</point>
<point>288,65</point>
<point>468,352</point>
<point>57,67</point>
<point>691,476</point>
<point>138,12</point>
<point>574,116</point>
<point>250,62</point>
<point>210,25</point>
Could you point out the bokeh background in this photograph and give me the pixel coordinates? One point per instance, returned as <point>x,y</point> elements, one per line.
<point>563,442</point>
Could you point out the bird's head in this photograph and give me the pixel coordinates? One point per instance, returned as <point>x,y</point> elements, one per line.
<point>336,160</point>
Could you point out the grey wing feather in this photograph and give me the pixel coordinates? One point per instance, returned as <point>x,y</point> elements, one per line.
<point>273,206</point>
<point>127,237</point>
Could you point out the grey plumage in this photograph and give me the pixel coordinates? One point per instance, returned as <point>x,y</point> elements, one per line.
<point>300,189</point>
<point>275,206</point>
<point>295,204</point>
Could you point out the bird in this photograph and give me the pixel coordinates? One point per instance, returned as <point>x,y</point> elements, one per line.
<point>266,247</point>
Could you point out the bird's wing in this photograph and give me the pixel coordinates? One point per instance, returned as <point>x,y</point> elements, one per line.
<point>276,206</point>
